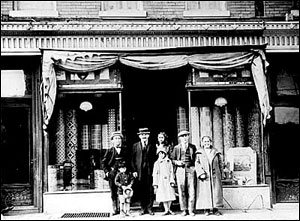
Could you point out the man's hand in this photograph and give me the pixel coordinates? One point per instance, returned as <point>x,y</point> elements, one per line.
<point>155,189</point>
<point>135,174</point>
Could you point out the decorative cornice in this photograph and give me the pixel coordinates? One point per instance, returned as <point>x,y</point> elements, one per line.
<point>17,37</point>
<point>146,26</point>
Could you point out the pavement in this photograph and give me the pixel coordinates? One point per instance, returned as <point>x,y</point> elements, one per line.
<point>280,211</point>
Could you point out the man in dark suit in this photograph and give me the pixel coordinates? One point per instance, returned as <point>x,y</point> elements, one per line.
<point>110,164</point>
<point>143,157</point>
<point>183,158</point>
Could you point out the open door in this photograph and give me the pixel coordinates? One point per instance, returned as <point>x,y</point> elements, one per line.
<point>16,155</point>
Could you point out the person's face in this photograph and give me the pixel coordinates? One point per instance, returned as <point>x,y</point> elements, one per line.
<point>206,143</point>
<point>184,138</point>
<point>144,137</point>
<point>117,141</point>
<point>161,138</point>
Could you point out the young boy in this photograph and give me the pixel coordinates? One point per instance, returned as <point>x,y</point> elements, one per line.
<point>124,181</point>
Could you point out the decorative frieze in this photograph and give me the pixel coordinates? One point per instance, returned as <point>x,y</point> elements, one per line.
<point>31,36</point>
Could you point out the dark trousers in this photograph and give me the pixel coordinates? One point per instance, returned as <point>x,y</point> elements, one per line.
<point>114,195</point>
<point>145,191</point>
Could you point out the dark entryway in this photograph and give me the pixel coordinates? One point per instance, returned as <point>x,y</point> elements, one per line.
<point>285,161</point>
<point>150,99</point>
<point>16,155</point>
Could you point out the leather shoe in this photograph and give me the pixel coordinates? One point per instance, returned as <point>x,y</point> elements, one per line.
<point>165,213</point>
<point>184,213</point>
<point>192,213</point>
<point>142,212</point>
<point>171,212</point>
<point>206,213</point>
<point>150,212</point>
<point>218,213</point>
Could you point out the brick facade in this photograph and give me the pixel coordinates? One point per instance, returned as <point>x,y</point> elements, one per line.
<point>163,9</point>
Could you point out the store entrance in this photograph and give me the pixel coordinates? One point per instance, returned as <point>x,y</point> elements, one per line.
<point>150,99</point>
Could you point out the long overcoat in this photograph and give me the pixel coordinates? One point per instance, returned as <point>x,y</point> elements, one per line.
<point>209,193</point>
<point>163,176</point>
<point>137,159</point>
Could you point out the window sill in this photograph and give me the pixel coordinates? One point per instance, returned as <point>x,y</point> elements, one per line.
<point>205,14</point>
<point>34,13</point>
<point>119,14</point>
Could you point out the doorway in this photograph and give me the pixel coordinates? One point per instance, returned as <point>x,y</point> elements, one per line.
<point>151,99</point>
<point>16,155</point>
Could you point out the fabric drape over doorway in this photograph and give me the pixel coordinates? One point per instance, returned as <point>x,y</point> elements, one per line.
<point>212,58</point>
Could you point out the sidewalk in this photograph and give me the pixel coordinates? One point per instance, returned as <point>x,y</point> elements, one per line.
<point>280,211</point>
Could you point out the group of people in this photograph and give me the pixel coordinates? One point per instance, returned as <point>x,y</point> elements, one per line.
<point>151,172</point>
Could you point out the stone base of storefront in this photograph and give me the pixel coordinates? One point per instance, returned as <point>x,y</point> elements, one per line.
<point>77,201</point>
<point>247,196</point>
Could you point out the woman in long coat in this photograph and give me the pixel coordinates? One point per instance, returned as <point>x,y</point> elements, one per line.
<point>209,171</point>
<point>163,180</point>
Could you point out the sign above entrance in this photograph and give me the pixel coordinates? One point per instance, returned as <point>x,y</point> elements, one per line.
<point>104,79</point>
<point>209,79</point>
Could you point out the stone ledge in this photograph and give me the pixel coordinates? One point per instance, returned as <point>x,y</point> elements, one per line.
<point>247,197</point>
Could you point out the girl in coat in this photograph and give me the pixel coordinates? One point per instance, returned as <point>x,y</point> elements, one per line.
<point>208,166</point>
<point>163,180</point>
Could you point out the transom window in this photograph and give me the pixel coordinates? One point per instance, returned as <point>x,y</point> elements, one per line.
<point>119,9</point>
<point>205,9</point>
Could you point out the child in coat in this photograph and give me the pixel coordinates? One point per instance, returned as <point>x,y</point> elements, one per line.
<point>124,181</point>
<point>163,180</point>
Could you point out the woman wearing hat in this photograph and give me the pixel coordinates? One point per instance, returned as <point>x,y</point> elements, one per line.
<point>163,180</point>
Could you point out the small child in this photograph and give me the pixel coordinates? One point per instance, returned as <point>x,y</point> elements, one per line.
<point>163,180</point>
<point>124,181</point>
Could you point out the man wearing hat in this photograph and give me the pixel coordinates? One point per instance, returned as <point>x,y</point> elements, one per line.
<point>143,157</point>
<point>183,157</point>
<point>110,164</point>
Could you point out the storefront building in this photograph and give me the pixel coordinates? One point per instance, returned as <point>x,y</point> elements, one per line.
<point>76,72</point>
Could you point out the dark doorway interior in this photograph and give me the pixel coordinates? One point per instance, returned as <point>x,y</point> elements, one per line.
<point>150,99</point>
<point>16,155</point>
<point>285,162</point>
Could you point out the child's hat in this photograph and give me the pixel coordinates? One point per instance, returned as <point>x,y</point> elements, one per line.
<point>161,149</point>
<point>128,192</point>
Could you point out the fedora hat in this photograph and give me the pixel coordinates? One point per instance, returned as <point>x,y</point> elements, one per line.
<point>116,133</point>
<point>184,132</point>
<point>143,131</point>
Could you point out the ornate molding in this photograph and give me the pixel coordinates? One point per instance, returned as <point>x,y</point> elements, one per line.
<point>30,36</point>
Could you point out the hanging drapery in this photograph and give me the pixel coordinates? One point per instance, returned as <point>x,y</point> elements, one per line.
<point>218,129</point>
<point>239,127</point>
<point>60,142</point>
<point>205,116</point>
<point>72,141</point>
<point>212,58</point>
<point>228,129</point>
<point>195,125</point>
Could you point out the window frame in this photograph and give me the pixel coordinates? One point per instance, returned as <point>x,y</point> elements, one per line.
<point>33,13</point>
<point>121,13</point>
<point>206,13</point>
